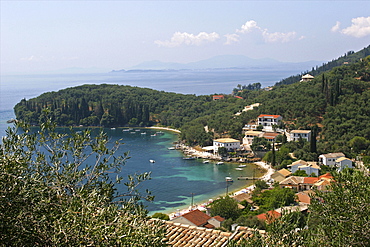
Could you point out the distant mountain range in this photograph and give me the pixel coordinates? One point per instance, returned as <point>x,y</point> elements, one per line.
<point>224,61</point>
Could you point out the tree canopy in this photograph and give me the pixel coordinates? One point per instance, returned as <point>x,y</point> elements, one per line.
<point>58,190</point>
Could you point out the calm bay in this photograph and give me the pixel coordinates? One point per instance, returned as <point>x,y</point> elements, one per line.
<point>174,180</point>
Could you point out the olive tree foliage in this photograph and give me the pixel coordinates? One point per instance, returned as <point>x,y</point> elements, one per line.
<point>57,189</point>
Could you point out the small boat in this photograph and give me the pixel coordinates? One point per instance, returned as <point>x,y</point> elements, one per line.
<point>143,133</point>
<point>242,166</point>
<point>171,148</point>
<point>229,179</point>
<point>205,161</point>
<point>220,163</point>
<point>113,128</point>
<point>11,120</point>
<point>153,135</point>
<point>137,130</point>
<point>189,158</point>
<point>152,161</point>
<point>159,133</point>
<point>239,169</point>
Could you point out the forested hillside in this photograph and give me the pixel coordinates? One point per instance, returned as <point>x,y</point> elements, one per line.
<point>348,58</point>
<point>337,102</point>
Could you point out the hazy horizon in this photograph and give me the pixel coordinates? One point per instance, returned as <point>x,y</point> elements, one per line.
<point>39,36</point>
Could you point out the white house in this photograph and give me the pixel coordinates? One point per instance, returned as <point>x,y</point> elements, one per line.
<point>304,134</point>
<point>307,77</point>
<point>228,143</point>
<point>250,135</point>
<point>269,120</point>
<point>342,163</point>
<point>330,158</point>
<point>308,167</point>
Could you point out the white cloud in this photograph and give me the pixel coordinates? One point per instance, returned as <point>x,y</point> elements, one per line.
<point>251,25</point>
<point>336,27</point>
<point>278,37</point>
<point>248,27</point>
<point>360,27</point>
<point>179,38</point>
<point>231,38</point>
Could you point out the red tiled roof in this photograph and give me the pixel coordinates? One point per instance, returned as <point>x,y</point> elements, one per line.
<point>273,214</point>
<point>182,235</point>
<point>197,217</point>
<point>266,115</point>
<point>238,97</point>
<point>310,180</point>
<point>218,218</point>
<point>326,175</point>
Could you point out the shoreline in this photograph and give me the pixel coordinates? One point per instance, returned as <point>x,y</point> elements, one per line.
<point>248,190</point>
<point>163,128</point>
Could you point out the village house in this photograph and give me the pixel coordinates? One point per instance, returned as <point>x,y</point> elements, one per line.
<point>308,167</point>
<point>307,77</point>
<point>270,136</point>
<point>323,182</point>
<point>280,175</point>
<point>228,143</point>
<point>269,120</point>
<point>199,219</point>
<point>218,97</point>
<point>250,135</point>
<point>330,158</point>
<point>342,163</point>
<point>295,135</point>
<point>298,183</point>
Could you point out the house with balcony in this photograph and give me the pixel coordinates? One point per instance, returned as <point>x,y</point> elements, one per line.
<point>295,135</point>
<point>267,121</point>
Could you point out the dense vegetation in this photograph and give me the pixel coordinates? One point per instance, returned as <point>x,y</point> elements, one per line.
<point>51,194</point>
<point>335,104</point>
<point>348,58</point>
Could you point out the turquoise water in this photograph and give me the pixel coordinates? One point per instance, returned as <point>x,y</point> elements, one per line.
<point>173,179</point>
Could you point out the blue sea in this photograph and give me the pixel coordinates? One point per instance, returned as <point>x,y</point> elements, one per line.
<point>174,180</point>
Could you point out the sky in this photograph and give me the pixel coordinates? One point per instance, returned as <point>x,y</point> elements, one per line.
<point>39,36</point>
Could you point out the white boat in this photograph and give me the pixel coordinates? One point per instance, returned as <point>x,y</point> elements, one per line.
<point>152,161</point>
<point>220,163</point>
<point>171,148</point>
<point>242,166</point>
<point>229,179</point>
<point>189,158</point>
<point>205,161</point>
<point>113,128</point>
<point>239,169</point>
<point>143,133</point>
